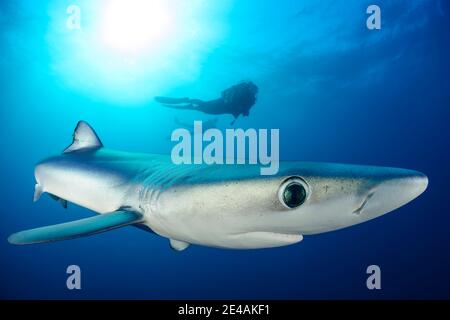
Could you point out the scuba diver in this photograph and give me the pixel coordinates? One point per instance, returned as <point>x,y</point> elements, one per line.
<point>235,100</point>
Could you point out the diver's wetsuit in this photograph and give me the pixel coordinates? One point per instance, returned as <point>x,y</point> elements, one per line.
<point>235,100</point>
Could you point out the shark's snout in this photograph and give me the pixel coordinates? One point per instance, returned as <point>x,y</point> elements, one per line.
<point>392,193</point>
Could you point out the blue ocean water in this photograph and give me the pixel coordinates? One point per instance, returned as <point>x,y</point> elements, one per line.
<point>337,91</point>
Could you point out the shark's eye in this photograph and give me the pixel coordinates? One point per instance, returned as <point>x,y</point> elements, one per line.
<point>293,192</point>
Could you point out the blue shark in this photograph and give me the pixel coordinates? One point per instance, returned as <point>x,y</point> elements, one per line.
<point>224,206</point>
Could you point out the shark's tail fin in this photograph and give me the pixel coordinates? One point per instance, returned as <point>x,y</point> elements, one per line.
<point>84,138</point>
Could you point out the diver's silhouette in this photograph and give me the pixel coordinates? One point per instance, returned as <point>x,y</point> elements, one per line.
<point>235,100</point>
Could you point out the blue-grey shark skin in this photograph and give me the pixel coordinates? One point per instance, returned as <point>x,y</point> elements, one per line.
<point>226,206</point>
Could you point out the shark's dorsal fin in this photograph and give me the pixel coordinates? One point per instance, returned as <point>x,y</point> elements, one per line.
<point>84,138</point>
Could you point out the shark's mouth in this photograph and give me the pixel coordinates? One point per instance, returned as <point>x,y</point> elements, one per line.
<point>359,210</point>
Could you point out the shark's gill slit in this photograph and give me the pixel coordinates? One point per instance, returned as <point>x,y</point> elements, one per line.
<point>363,204</point>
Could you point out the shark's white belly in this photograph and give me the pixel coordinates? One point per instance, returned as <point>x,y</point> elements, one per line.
<point>219,215</point>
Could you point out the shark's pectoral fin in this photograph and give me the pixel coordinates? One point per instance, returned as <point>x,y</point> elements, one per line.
<point>38,190</point>
<point>178,245</point>
<point>77,228</point>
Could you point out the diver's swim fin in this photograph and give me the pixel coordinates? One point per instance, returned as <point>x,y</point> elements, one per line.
<point>77,228</point>
<point>186,106</point>
<point>171,100</point>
